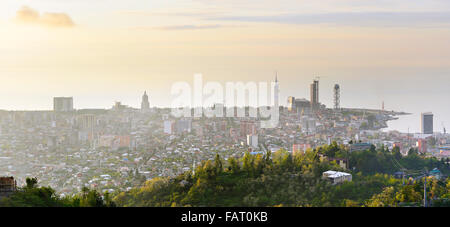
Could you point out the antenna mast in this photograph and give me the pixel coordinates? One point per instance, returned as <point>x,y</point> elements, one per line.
<point>337,97</point>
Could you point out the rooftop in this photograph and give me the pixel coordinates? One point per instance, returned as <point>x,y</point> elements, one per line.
<point>335,174</point>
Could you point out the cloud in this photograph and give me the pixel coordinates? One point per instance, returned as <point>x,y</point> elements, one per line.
<point>390,19</point>
<point>27,15</point>
<point>175,13</point>
<point>190,27</point>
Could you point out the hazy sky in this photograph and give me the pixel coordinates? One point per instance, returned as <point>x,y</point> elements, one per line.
<point>99,51</point>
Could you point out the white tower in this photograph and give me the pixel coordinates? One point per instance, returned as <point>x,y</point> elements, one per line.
<point>145,104</point>
<point>276,91</point>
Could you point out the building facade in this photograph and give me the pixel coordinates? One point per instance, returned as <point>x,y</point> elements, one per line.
<point>8,185</point>
<point>276,92</point>
<point>314,94</point>
<point>252,141</point>
<point>62,104</point>
<point>427,123</point>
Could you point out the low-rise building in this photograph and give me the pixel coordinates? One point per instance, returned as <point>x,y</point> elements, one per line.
<point>360,147</point>
<point>7,186</point>
<point>436,173</point>
<point>337,177</point>
<point>342,162</point>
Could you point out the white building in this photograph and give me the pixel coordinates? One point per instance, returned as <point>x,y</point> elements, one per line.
<point>276,92</point>
<point>337,177</point>
<point>252,141</point>
<point>168,125</point>
<point>308,124</point>
<point>63,104</point>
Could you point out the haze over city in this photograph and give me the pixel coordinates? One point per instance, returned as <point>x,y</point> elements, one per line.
<point>105,51</point>
<point>205,104</point>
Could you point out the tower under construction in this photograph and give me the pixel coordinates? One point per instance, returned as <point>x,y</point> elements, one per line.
<point>314,94</point>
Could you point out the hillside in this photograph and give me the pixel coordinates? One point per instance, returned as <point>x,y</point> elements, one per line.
<point>286,180</point>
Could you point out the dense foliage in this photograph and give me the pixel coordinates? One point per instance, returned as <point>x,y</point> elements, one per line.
<point>293,180</point>
<point>33,196</point>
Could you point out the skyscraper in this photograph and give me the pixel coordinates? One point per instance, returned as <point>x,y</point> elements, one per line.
<point>291,103</point>
<point>145,104</point>
<point>427,123</point>
<point>62,104</point>
<point>314,94</point>
<point>276,91</point>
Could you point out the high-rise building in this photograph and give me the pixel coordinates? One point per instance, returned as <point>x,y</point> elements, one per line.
<point>299,105</point>
<point>427,123</point>
<point>276,92</point>
<point>168,127</point>
<point>302,106</point>
<point>291,103</point>
<point>248,127</point>
<point>62,104</point>
<point>145,104</point>
<point>314,94</point>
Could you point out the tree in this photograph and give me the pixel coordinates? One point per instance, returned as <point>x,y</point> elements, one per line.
<point>33,196</point>
<point>31,182</point>
<point>234,166</point>
<point>108,200</point>
<point>259,164</point>
<point>218,164</point>
<point>91,198</point>
<point>269,158</point>
<point>247,163</point>
<point>409,194</point>
<point>351,203</point>
<point>396,153</point>
<point>412,152</point>
<point>431,141</point>
<point>384,199</point>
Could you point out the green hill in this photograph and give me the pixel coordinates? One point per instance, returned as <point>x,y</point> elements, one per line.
<point>286,180</point>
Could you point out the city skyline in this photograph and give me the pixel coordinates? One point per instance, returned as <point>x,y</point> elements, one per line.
<point>314,89</point>
<point>100,52</point>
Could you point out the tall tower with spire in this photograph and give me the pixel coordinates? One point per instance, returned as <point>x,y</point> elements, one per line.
<point>276,91</point>
<point>145,104</point>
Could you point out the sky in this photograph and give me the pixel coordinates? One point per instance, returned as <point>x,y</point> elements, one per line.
<point>101,51</point>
